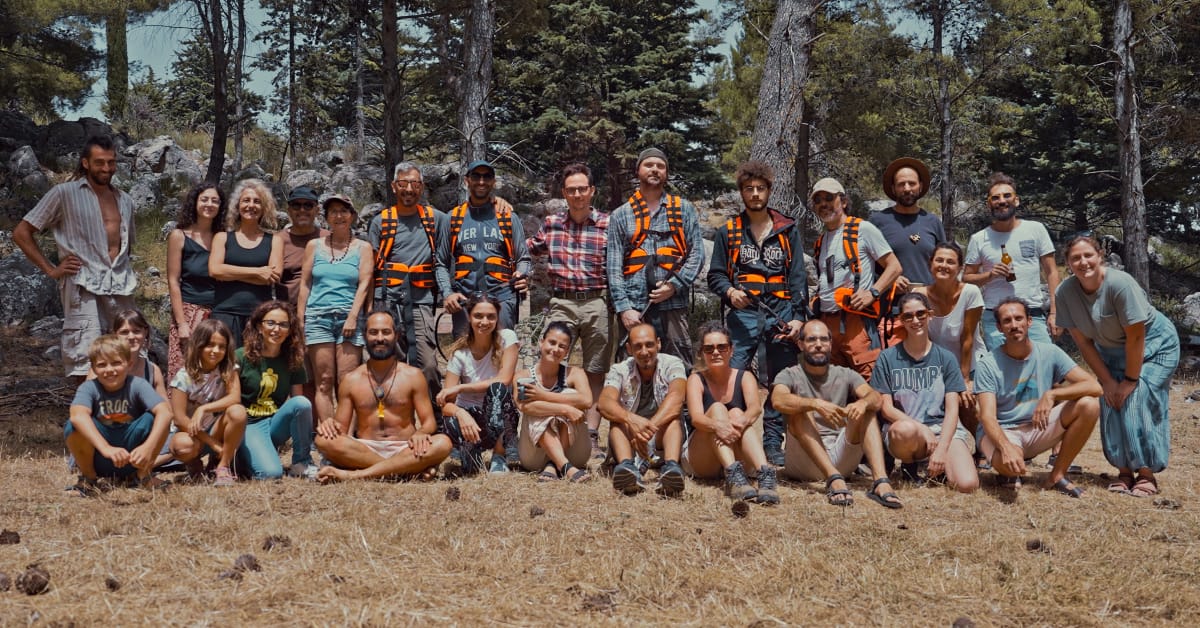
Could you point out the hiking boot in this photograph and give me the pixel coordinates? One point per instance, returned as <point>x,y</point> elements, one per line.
<point>737,487</point>
<point>774,452</point>
<point>597,452</point>
<point>472,459</point>
<point>670,479</point>
<point>627,478</point>
<point>499,464</point>
<point>768,486</point>
<point>85,488</point>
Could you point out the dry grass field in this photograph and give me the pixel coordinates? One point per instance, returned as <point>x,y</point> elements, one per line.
<point>511,551</point>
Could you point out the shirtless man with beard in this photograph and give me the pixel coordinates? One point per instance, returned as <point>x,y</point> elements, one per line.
<point>394,431</point>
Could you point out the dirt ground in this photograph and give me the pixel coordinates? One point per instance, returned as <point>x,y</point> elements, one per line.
<point>511,551</point>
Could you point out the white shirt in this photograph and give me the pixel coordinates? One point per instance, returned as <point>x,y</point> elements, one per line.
<point>469,370</point>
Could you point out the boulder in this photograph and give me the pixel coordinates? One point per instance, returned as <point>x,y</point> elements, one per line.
<point>17,127</point>
<point>311,178</point>
<point>1190,312</point>
<point>25,292</point>
<point>363,182</point>
<point>24,162</point>
<point>328,160</point>
<point>63,137</point>
<point>47,328</point>
<point>1152,250</point>
<point>162,155</point>
<point>147,192</point>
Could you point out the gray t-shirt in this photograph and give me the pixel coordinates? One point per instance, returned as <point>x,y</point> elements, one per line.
<point>918,387</point>
<point>134,399</point>
<point>1104,315</point>
<point>1026,244</point>
<point>1018,384</point>
<point>833,270</point>
<point>411,248</point>
<point>912,238</point>
<point>837,387</point>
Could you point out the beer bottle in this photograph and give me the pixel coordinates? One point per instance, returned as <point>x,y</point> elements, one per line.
<point>1006,259</point>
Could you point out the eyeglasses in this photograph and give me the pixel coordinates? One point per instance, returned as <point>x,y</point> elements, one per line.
<point>270,324</point>
<point>305,205</point>
<point>721,348</point>
<point>405,184</point>
<point>579,191</point>
<point>481,176</point>
<point>919,315</point>
<point>755,189</point>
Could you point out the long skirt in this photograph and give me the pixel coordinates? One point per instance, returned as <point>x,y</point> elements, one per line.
<point>176,347</point>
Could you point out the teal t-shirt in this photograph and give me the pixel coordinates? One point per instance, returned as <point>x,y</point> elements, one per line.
<point>1018,384</point>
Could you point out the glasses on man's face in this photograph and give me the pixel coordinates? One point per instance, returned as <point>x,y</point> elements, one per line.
<point>721,348</point>
<point>755,189</point>
<point>270,324</point>
<point>405,184</point>
<point>481,176</point>
<point>579,191</point>
<point>302,205</point>
<point>919,315</point>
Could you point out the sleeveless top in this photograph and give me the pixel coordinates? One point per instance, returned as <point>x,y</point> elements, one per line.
<point>333,283</point>
<point>239,297</point>
<point>195,284</point>
<point>559,383</point>
<point>736,402</point>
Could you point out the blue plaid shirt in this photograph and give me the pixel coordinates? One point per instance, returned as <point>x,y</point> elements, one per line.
<point>630,292</point>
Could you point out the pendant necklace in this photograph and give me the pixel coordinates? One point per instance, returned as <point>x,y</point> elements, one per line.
<point>378,390</point>
<point>333,257</point>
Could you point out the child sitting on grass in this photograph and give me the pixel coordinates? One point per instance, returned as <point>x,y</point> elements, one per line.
<point>118,422</point>
<point>206,404</point>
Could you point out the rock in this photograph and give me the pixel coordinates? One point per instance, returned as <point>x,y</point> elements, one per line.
<point>146,192</point>
<point>247,562</point>
<point>34,581</point>
<point>23,162</point>
<point>253,171</point>
<point>53,353</point>
<point>230,574</point>
<point>9,537</point>
<point>453,493</point>
<point>153,271</point>
<point>964,622</point>
<point>48,328</point>
<point>66,137</point>
<point>363,182</point>
<point>1036,545</point>
<point>166,230</point>
<point>18,127</point>
<point>1164,503</point>
<point>328,160</point>
<point>1153,246</point>
<point>1190,311</point>
<point>112,584</point>
<point>311,178</point>
<point>26,293</point>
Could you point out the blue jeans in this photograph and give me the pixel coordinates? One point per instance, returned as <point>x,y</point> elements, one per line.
<point>746,329</point>
<point>993,337</point>
<point>128,436</point>
<point>259,452</point>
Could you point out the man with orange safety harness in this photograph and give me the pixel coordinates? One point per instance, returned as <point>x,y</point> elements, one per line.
<point>404,237</point>
<point>758,269</point>
<point>654,255</point>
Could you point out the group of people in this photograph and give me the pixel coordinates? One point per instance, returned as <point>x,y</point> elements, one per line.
<point>909,349</point>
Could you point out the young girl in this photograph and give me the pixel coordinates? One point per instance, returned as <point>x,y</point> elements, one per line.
<point>132,327</point>
<point>476,400</point>
<point>553,436</point>
<point>207,412</point>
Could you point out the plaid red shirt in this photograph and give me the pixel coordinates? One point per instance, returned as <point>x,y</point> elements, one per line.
<point>576,252</point>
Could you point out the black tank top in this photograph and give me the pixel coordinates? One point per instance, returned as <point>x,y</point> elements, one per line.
<point>239,297</point>
<point>736,402</point>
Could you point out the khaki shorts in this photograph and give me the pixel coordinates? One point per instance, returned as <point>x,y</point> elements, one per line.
<point>1031,440</point>
<point>86,317</point>
<point>593,325</point>
<point>844,456</point>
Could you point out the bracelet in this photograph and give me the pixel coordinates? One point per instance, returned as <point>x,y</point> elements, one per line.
<point>1131,379</point>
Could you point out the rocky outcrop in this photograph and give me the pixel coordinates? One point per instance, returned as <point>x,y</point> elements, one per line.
<point>25,292</point>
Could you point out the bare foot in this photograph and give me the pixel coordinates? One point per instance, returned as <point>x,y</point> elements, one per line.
<point>428,475</point>
<point>329,475</point>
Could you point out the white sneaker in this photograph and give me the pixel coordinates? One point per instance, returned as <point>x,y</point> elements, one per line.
<point>304,470</point>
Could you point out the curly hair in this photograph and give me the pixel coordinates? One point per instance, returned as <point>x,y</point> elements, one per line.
<point>293,345</point>
<point>755,169</point>
<point>464,341</point>
<point>267,220</point>
<point>187,212</point>
<point>999,178</point>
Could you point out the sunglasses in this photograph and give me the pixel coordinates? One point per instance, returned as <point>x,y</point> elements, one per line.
<point>721,348</point>
<point>481,176</point>
<point>919,315</point>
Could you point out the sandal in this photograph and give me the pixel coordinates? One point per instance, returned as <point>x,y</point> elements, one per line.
<point>838,496</point>
<point>549,474</point>
<point>1064,486</point>
<point>1123,484</point>
<point>888,500</point>
<point>153,483</point>
<point>1144,487</point>
<point>574,474</point>
<point>1013,482</point>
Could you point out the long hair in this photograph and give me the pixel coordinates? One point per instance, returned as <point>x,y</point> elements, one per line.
<point>711,327</point>
<point>268,221</point>
<point>103,142</point>
<point>201,336</point>
<point>465,341</point>
<point>187,211</point>
<point>292,349</point>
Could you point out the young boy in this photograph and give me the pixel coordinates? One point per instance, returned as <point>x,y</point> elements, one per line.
<point>118,422</point>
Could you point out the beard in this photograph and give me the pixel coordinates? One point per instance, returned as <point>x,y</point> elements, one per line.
<point>382,351</point>
<point>908,199</point>
<point>816,360</point>
<point>1005,213</point>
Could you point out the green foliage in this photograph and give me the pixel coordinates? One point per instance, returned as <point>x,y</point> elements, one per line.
<point>46,60</point>
<point>734,86</point>
<point>189,106</point>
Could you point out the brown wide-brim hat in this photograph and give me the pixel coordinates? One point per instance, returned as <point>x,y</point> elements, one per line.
<point>889,175</point>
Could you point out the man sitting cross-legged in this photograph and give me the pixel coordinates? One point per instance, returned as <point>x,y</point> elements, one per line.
<point>394,431</point>
<point>1021,410</point>
<point>828,433</point>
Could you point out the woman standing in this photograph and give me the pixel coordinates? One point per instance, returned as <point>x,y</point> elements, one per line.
<point>333,287</point>
<point>188,281</point>
<point>272,377</point>
<point>726,411</point>
<point>246,260</point>
<point>476,400</point>
<point>552,398</point>
<point>1133,349</point>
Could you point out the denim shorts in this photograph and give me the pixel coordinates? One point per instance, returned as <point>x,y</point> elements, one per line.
<point>323,327</point>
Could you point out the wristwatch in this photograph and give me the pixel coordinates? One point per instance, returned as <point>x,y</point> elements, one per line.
<point>874,292</point>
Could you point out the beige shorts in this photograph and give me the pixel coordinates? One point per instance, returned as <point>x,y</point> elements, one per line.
<point>593,325</point>
<point>1031,440</point>
<point>86,316</point>
<point>384,448</point>
<point>844,456</point>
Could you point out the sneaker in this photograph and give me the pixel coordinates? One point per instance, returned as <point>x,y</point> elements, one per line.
<point>774,454</point>
<point>153,483</point>
<point>597,452</point>
<point>768,485</point>
<point>224,477</point>
<point>472,459</point>
<point>737,487</point>
<point>306,470</point>
<point>512,458</point>
<point>670,479</point>
<point>499,464</point>
<point>627,478</point>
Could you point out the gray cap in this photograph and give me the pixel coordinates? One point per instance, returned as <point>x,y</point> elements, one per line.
<point>338,197</point>
<point>829,185</point>
<point>648,153</point>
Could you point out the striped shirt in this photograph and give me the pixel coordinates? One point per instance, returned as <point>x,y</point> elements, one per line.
<point>72,211</point>
<point>631,293</point>
<point>576,251</point>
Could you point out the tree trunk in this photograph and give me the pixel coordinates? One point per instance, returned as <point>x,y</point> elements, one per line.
<point>239,94</point>
<point>393,97</point>
<point>945,121</point>
<point>291,87</point>
<point>1133,198</point>
<point>212,27</point>
<point>360,119</point>
<point>476,80</point>
<point>117,57</point>
<point>776,138</point>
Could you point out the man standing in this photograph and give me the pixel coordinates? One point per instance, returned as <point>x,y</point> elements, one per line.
<point>1024,410</point>
<point>575,242</point>
<point>643,401</point>
<point>654,255</point>
<point>404,237</point>
<point>394,427</point>
<point>758,268</point>
<point>1028,245</point>
<point>831,421</point>
<point>847,289</point>
<point>911,231</point>
<point>92,223</point>
<point>483,250</point>
<point>302,212</point>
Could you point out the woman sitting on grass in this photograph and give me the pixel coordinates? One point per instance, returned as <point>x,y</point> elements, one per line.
<point>208,414</point>
<point>726,411</point>
<point>553,435</point>
<point>476,399</point>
